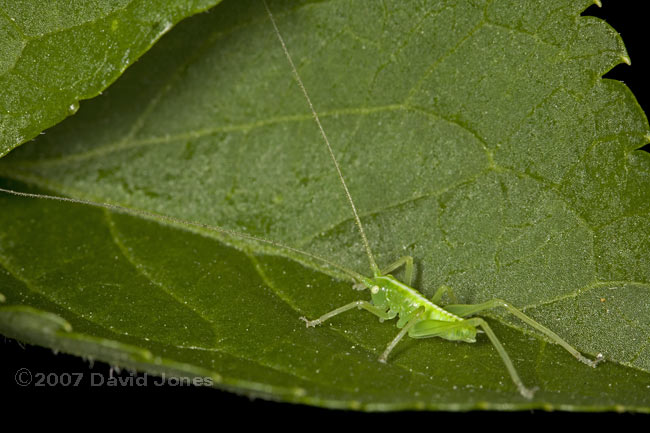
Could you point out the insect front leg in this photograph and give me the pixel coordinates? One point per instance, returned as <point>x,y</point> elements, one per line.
<point>467,310</point>
<point>379,312</point>
<point>407,261</point>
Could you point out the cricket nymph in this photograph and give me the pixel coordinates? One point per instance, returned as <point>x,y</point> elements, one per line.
<point>401,300</point>
<point>418,316</point>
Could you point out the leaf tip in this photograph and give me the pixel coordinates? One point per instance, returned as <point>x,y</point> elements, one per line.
<point>626,60</point>
<point>598,3</point>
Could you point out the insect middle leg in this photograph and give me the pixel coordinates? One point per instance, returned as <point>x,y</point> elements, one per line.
<point>400,335</point>
<point>526,392</point>
<point>434,328</point>
<point>379,312</point>
<point>441,291</point>
<point>465,310</point>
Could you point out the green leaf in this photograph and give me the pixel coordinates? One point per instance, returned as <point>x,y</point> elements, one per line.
<point>477,137</point>
<point>55,53</point>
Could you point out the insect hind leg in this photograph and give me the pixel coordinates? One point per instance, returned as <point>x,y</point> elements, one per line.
<point>467,310</point>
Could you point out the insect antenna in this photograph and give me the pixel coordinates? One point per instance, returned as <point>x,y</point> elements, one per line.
<point>371,259</point>
<point>182,222</point>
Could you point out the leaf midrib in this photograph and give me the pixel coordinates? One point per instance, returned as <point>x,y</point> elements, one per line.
<point>161,286</point>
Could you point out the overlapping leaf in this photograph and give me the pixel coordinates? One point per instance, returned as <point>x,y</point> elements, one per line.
<point>55,53</point>
<point>477,137</point>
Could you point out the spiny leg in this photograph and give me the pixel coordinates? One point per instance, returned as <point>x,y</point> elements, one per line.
<point>408,262</point>
<point>441,291</point>
<point>379,312</point>
<point>399,336</point>
<point>526,392</point>
<point>467,310</point>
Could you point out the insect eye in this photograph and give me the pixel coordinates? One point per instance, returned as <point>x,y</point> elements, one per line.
<point>374,290</point>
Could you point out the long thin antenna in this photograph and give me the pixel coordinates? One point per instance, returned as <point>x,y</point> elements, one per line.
<point>178,221</point>
<point>373,264</point>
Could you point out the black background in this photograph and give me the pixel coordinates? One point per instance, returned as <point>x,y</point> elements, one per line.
<point>627,17</point>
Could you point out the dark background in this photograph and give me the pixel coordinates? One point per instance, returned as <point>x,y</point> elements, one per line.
<point>627,17</point>
<point>630,19</point>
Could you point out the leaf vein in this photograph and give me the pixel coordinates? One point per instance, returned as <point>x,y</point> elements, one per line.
<point>143,272</point>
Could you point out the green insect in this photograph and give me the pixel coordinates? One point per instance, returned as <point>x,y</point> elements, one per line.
<point>419,317</point>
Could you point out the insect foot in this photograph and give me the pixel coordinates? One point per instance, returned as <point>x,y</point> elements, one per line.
<point>310,323</point>
<point>599,358</point>
<point>527,393</point>
<point>591,363</point>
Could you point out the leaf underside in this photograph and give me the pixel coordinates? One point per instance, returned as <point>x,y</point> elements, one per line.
<point>477,137</point>
<point>55,53</point>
